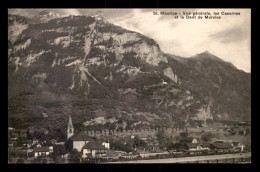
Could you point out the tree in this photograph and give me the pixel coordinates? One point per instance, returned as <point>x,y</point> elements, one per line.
<point>139,143</point>
<point>162,139</point>
<point>75,156</point>
<point>206,137</point>
<point>29,137</point>
<point>184,135</point>
<point>117,145</point>
<point>59,150</point>
<point>177,146</point>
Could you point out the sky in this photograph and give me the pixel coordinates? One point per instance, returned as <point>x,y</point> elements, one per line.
<point>229,38</point>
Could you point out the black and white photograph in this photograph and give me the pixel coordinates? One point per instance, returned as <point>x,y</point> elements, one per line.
<point>129,86</point>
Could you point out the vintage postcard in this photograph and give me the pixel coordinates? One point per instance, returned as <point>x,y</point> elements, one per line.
<point>129,86</point>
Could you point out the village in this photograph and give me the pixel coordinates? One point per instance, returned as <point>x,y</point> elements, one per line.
<point>99,147</point>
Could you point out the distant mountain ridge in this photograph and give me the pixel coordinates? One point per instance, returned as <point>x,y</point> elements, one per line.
<point>90,68</point>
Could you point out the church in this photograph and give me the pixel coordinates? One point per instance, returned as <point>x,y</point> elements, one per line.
<point>89,146</point>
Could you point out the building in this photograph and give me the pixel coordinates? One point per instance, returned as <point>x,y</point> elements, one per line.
<point>93,150</point>
<point>35,141</point>
<point>80,140</point>
<point>41,151</point>
<point>51,149</point>
<point>77,141</point>
<point>198,146</point>
<point>153,145</point>
<point>84,143</point>
<point>111,155</point>
<point>106,145</point>
<point>29,143</point>
<point>194,141</point>
<point>221,147</point>
<point>238,146</point>
<point>120,153</point>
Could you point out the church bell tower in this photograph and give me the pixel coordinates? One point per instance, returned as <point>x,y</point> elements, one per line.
<point>70,128</point>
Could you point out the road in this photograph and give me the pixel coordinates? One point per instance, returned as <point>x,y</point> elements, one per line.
<point>188,159</point>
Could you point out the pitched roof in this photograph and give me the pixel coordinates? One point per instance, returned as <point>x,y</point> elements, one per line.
<point>205,144</point>
<point>194,145</point>
<point>83,136</point>
<point>94,146</point>
<point>41,149</point>
<point>70,122</point>
<point>222,145</point>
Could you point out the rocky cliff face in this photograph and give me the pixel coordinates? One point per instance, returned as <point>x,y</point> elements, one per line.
<point>80,64</point>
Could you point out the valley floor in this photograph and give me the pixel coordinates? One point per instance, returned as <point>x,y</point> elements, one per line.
<point>227,158</point>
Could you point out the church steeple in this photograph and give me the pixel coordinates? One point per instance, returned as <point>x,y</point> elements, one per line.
<point>70,128</point>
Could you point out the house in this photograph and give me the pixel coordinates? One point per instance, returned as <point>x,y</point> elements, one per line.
<point>65,155</point>
<point>120,153</point>
<point>29,143</point>
<point>93,150</point>
<point>239,147</point>
<point>41,151</point>
<point>29,150</point>
<point>35,141</point>
<point>111,155</point>
<point>197,148</point>
<point>194,141</point>
<point>221,147</point>
<point>38,145</point>
<point>106,145</point>
<point>51,149</point>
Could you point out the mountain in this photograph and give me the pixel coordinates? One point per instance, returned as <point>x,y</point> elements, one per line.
<point>91,69</point>
<point>44,16</point>
<point>228,87</point>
